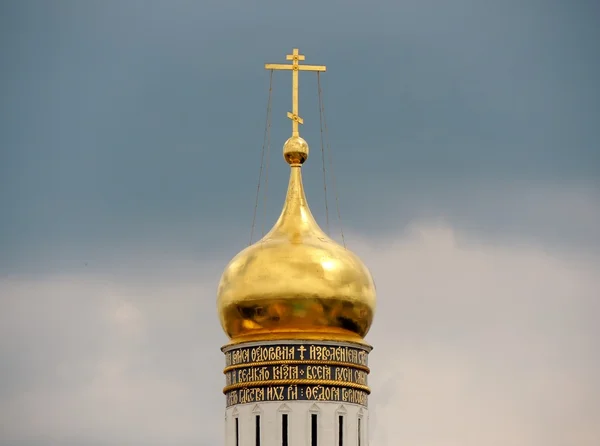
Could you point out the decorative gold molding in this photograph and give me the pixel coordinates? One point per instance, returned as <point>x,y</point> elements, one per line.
<point>292,382</point>
<point>297,362</point>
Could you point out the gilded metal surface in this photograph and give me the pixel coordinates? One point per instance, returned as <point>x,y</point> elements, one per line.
<point>295,67</point>
<point>296,282</point>
<point>297,392</point>
<point>292,382</point>
<point>297,362</point>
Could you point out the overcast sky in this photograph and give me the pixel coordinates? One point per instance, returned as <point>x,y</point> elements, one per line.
<point>464,137</point>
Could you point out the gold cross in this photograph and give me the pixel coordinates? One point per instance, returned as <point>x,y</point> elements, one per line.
<point>302,350</point>
<point>295,57</point>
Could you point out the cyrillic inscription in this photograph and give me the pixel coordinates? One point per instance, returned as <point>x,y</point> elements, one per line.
<point>313,352</point>
<point>302,371</point>
<point>276,373</point>
<point>297,393</point>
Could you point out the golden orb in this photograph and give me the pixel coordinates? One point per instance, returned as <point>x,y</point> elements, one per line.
<point>296,282</point>
<point>295,150</point>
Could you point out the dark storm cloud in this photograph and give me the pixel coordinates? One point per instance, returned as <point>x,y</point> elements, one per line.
<point>128,122</point>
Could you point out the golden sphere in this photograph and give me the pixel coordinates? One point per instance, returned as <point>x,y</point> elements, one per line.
<point>295,150</point>
<point>296,283</point>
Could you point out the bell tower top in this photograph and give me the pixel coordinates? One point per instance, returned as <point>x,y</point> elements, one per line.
<point>296,307</point>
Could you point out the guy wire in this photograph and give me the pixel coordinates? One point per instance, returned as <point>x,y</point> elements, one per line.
<point>323,151</point>
<point>335,192</point>
<point>262,155</point>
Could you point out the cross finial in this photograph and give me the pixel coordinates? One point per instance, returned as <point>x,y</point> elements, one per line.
<point>295,57</point>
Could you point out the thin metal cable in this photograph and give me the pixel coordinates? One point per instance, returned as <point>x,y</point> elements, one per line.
<point>337,203</point>
<point>262,155</point>
<point>323,151</point>
<point>267,167</point>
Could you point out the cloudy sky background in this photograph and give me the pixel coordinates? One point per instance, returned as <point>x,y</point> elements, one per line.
<point>465,143</point>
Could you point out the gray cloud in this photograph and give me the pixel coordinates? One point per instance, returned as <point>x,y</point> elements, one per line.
<point>94,361</point>
<point>482,343</point>
<point>474,341</point>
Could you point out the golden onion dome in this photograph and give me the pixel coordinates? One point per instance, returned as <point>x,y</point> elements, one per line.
<point>296,282</point>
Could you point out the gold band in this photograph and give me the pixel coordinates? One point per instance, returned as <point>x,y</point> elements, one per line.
<point>296,362</point>
<point>291,382</point>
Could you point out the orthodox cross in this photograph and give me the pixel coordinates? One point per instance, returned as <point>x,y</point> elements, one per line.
<point>302,349</point>
<point>295,57</point>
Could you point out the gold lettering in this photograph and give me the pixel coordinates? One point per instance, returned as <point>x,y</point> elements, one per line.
<point>239,356</point>
<point>292,393</point>
<point>335,393</point>
<point>278,371</point>
<point>275,393</point>
<point>252,395</point>
<point>304,351</point>
<point>321,393</point>
<point>360,377</point>
<point>352,356</point>
<point>318,372</point>
<point>271,353</point>
<point>250,374</point>
<point>363,358</point>
<point>232,398</point>
<point>354,396</point>
<point>285,372</point>
<point>340,354</point>
<point>343,374</point>
<point>244,396</point>
<point>280,393</point>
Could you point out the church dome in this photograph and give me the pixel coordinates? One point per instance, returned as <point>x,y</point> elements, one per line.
<point>296,282</point>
